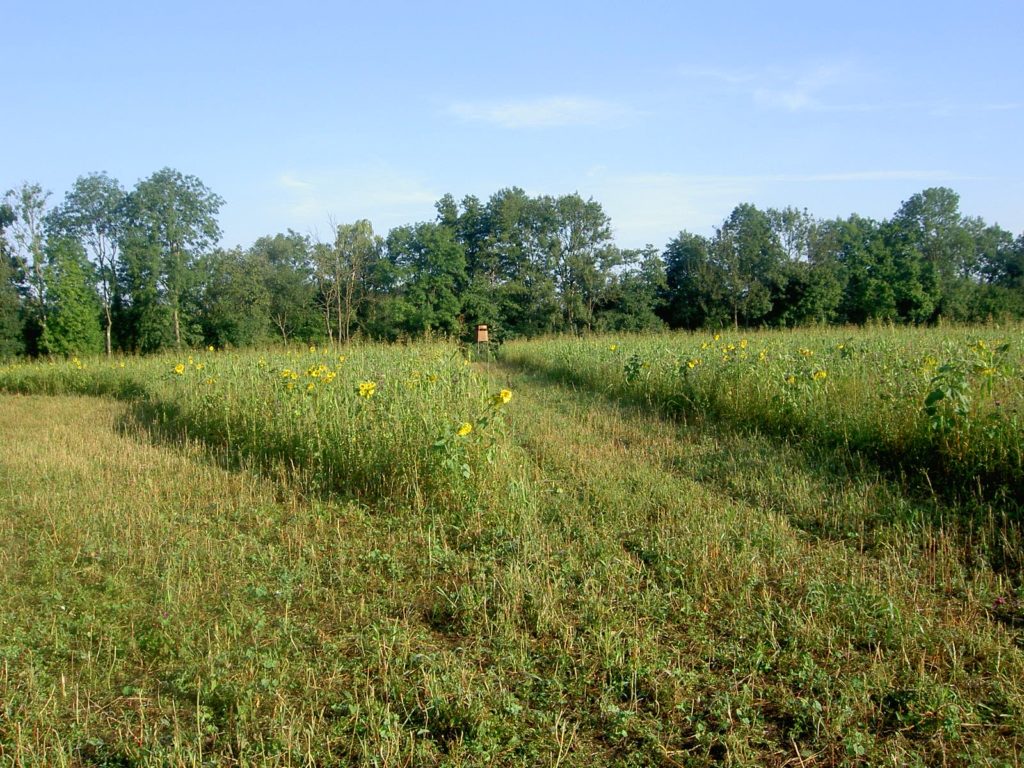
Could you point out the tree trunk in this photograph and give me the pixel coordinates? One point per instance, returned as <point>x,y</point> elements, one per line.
<point>110,323</point>
<point>177,330</point>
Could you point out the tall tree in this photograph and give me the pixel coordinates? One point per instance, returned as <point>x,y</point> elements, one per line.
<point>93,213</point>
<point>73,325</point>
<point>433,271</point>
<point>233,303</point>
<point>634,295</point>
<point>868,272</point>
<point>795,229</point>
<point>12,341</point>
<point>175,216</point>
<point>28,241</point>
<point>356,249</point>
<point>935,255</point>
<point>749,257</point>
<point>290,286</point>
<point>510,264</point>
<point>576,237</point>
<point>693,287</point>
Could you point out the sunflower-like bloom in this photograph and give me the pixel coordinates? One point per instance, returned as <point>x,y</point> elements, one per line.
<point>367,389</point>
<point>464,429</point>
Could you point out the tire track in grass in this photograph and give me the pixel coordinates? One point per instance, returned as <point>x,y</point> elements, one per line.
<point>820,648</point>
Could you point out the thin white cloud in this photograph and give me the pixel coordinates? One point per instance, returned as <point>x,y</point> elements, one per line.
<point>289,181</point>
<point>727,76</point>
<point>551,112</point>
<point>823,87</point>
<point>312,199</point>
<point>808,88</point>
<point>653,207</point>
<point>796,92</point>
<point>908,175</point>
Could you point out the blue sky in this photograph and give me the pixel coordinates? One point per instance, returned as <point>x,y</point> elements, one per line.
<point>666,113</point>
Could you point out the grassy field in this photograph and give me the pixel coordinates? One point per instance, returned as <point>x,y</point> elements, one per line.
<point>581,553</point>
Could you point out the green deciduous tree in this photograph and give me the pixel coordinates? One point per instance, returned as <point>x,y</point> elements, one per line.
<point>432,268</point>
<point>692,286</point>
<point>233,300</point>
<point>748,259</point>
<point>356,250</point>
<point>27,241</point>
<point>934,254</point>
<point>93,213</point>
<point>12,324</point>
<point>635,294</point>
<point>575,236</point>
<point>173,217</point>
<point>73,322</point>
<point>290,285</point>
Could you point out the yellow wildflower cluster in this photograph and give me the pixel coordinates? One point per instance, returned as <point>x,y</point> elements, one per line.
<point>464,429</point>
<point>367,389</point>
<point>820,375</point>
<point>503,397</point>
<point>180,368</point>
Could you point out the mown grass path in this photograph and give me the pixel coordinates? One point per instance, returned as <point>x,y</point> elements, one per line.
<point>775,610</point>
<point>614,589</point>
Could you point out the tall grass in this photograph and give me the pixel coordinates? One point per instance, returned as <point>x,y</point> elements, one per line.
<point>372,422</point>
<point>566,582</point>
<point>946,406</point>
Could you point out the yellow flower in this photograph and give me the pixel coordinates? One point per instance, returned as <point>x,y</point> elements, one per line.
<point>312,348</point>
<point>718,336</point>
<point>190,359</point>
<point>179,368</point>
<point>820,375</point>
<point>210,348</point>
<point>310,387</point>
<point>791,379</point>
<point>367,388</point>
<point>199,366</point>
<point>613,347</point>
<point>806,352</point>
<point>464,429</point>
<point>693,362</point>
<point>503,397</point>
<point>329,376</point>
<point>341,358</point>
<point>743,343</point>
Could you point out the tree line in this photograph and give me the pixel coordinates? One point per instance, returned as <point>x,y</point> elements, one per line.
<point>110,269</point>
